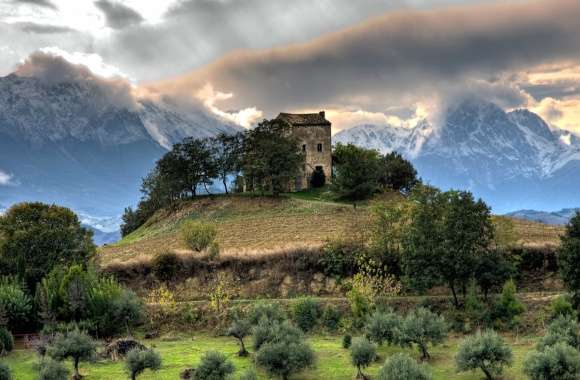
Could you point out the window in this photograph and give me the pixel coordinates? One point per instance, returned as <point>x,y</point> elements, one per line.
<point>304,148</point>
<point>319,147</point>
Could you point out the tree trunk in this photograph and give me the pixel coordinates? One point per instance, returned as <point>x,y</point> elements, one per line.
<point>424,353</point>
<point>455,299</point>
<point>488,375</point>
<point>76,374</point>
<point>243,352</point>
<point>205,187</point>
<point>225,184</point>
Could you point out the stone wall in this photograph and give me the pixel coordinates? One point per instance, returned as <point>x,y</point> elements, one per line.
<point>309,137</point>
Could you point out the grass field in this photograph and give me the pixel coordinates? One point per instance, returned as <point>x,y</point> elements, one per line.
<point>332,361</point>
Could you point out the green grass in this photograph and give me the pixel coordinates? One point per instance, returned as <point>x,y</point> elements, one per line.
<point>332,361</point>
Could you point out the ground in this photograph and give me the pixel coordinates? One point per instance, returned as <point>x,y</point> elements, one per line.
<point>333,362</point>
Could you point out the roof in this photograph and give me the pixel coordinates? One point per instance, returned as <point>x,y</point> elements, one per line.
<point>304,118</point>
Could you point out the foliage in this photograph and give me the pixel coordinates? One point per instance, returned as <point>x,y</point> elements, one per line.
<point>197,235</point>
<point>269,311</point>
<point>283,358</point>
<point>220,293</point>
<point>271,157</point>
<point>306,312</point>
<point>15,303</point>
<point>331,316</point>
<point>52,370</point>
<point>509,308</point>
<point>382,327</point>
<point>213,251</point>
<point>561,306</point>
<point>318,178</point>
<point>487,352</point>
<point>401,366</point>
<point>239,329</point>
<point>5,373</point>
<point>249,374</point>
<point>338,259</point>
<point>362,354</point>
<point>356,171</point>
<point>568,258</point>
<point>346,341</point>
<point>558,362</point>
<point>166,265</point>
<point>75,345</point>
<point>138,360</point>
<point>564,329</point>
<point>396,173</point>
<point>268,331</point>
<point>492,270</point>
<point>6,341</point>
<point>422,327</point>
<point>227,150</point>
<point>37,237</point>
<point>365,288</point>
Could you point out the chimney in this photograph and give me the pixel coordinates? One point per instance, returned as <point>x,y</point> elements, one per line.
<point>321,113</point>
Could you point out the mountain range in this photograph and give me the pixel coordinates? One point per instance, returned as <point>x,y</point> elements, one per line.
<point>513,160</point>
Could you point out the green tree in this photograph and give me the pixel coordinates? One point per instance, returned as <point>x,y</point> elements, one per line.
<point>492,270</point>
<point>569,257</point>
<point>423,327</point>
<point>37,237</point>
<point>397,173</point>
<point>487,352</point>
<point>52,370</point>
<point>356,171</point>
<point>15,303</point>
<point>402,367</point>
<point>362,354</point>
<point>198,235</point>
<point>383,327</point>
<point>75,345</point>
<point>227,151</point>
<point>6,341</point>
<point>306,313</point>
<point>558,362</point>
<point>271,157</point>
<point>564,329</point>
<point>138,360</point>
<point>509,308</point>
<point>239,329</point>
<point>5,373</point>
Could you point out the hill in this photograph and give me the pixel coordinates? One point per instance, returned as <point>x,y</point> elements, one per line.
<point>249,225</point>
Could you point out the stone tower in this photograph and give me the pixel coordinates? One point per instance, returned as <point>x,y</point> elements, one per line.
<point>313,132</point>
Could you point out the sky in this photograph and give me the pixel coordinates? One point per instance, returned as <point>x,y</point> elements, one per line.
<point>364,61</point>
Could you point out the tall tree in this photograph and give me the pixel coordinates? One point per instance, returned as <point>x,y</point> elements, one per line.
<point>569,257</point>
<point>397,173</point>
<point>356,171</point>
<point>227,151</point>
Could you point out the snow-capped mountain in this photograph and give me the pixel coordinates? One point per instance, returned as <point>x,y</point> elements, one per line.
<point>514,160</point>
<point>81,144</point>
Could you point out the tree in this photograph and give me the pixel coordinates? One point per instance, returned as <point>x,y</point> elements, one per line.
<point>306,312</point>
<point>356,171</point>
<point>75,345</point>
<point>201,166</point>
<point>362,354</point>
<point>558,362</point>
<point>52,370</point>
<point>37,237</point>
<point>569,257</point>
<point>268,311</point>
<point>396,173</point>
<point>402,367</point>
<point>138,360</point>
<point>487,352</point>
<point>15,303</point>
<point>5,373</point>
<point>422,327</point>
<point>198,235</point>
<point>271,156</point>
<point>383,326</point>
<point>214,366</point>
<point>227,150</point>
<point>239,329</point>
<point>508,308</point>
<point>6,341</point>
<point>564,329</point>
<point>492,270</point>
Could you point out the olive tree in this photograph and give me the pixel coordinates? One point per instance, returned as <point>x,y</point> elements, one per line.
<point>138,360</point>
<point>75,345</point>
<point>214,366</point>
<point>382,326</point>
<point>564,329</point>
<point>52,370</point>
<point>422,327</point>
<point>362,354</point>
<point>5,373</point>
<point>557,362</point>
<point>403,367</point>
<point>239,329</point>
<point>487,352</point>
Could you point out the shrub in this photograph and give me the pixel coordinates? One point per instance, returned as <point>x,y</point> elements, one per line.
<point>558,362</point>
<point>6,341</point>
<point>138,360</point>
<point>53,370</point>
<point>346,341</point>
<point>266,310</point>
<point>166,265</point>
<point>306,312</point>
<point>15,303</point>
<point>197,235</point>
<point>331,317</point>
<point>269,331</point>
<point>382,326</point>
<point>561,306</point>
<point>487,352</point>
<point>284,358</point>
<point>214,250</point>
<point>563,329</point>
<point>239,329</point>
<point>214,366</point>
<point>423,327</point>
<point>509,308</point>
<point>75,345</point>
<point>249,374</point>
<point>5,373</point>
<point>362,354</point>
<point>338,259</point>
<point>318,178</point>
<point>402,367</point>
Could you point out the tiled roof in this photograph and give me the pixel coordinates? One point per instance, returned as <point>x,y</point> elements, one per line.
<point>304,118</point>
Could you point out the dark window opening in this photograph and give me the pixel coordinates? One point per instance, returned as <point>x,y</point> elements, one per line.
<point>319,147</point>
<point>304,148</point>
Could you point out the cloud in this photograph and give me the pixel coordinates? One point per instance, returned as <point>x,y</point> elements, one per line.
<point>118,16</point>
<point>40,3</point>
<point>400,58</point>
<point>246,117</point>
<point>31,27</point>
<point>5,178</point>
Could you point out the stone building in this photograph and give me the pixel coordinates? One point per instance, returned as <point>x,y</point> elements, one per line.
<point>313,132</point>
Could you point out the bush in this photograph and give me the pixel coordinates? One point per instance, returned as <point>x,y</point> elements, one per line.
<point>331,318</point>
<point>487,352</point>
<point>338,259</point>
<point>283,358</point>
<point>239,329</point>
<point>6,341</point>
<point>382,327</point>
<point>214,366</point>
<point>561,306</point>
<point>138,360</point>
<point>306,312</point>
<point>197,235</point>
<point>402,367</point>
<point>269,331</point>
<point>558,362</point>
<point>423,327</point>
<point>346,341</point>
<point>15,303</point>
<point>166,265</point>
<point>266,311</point>
<point>318,178</point>
<point>249,374</point>
<point>75,345</point>
<point>563,329</point>
<point>509,308</point>
<point>362,354</point>
<point>53,370</point>
<point>5,373</point>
